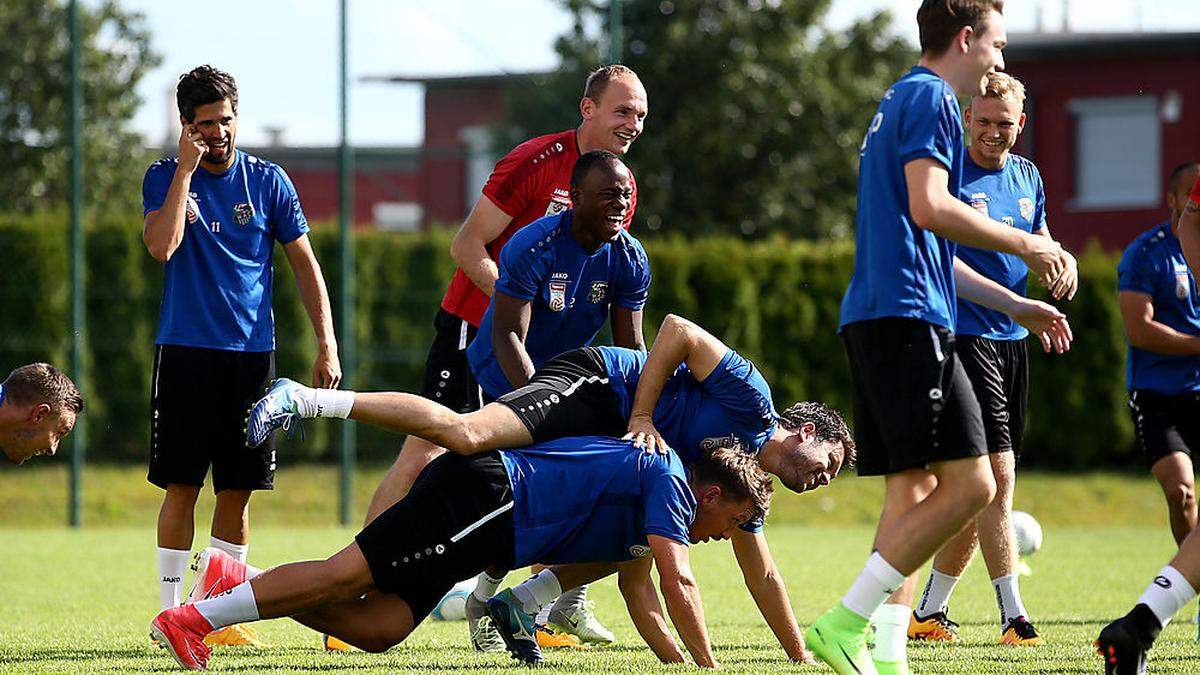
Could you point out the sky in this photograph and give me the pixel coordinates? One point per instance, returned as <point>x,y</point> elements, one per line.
<point>284,53</point>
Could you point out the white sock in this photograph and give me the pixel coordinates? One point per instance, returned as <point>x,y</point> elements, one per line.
<point>891,633</point>
<point>1167,594</point>
<point>238,551</point>
<point>538,591</point>
<point>333,403</point>
<point>172,563</point>
<point>485,586</point>
<point>936,596</point>
<point>543,616</point>
<point>1008,596</point>
<point>874,584</point>
<point>237,605</point>
<point>575,596</point>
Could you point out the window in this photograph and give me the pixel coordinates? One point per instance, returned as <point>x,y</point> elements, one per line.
<point>1117,152</point>
<point>480,159</point>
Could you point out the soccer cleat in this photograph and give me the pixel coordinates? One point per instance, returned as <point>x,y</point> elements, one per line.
<point>892,667</point>
<point>276,410</point>
<point>580,620</point>
<point>239,635</point>
<point>1123,653</point>
<point>484,636</point>
<point>839,638</point>
<point>936,627</point>
<point>215,572</point>
<point>1020,633</point>
<point>552,639</point>
<point>515,626</point>
<point>333,644</point>
<point>181,630</point>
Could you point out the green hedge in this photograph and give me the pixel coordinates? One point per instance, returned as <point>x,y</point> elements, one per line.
<point>775,300</point>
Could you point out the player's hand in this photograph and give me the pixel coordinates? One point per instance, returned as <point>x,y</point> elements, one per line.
<point>806,657</point>
<point>1046,322</point>
<point>327,370</point>
<point>191,147</point>
<point>1068,282</point>
<point>1046,259</point>
<point>645,436</point>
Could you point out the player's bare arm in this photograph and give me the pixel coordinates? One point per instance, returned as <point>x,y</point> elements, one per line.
<point>510,327</point>
<point>678,341</point>
<point>627,327</point>
<point>935,209</point>
<point>1137,314</point>
<point>469,248</point>
<point>327,370</point>
<point>1042,319</point>
<point>162,230</point>
<point>682,595</point>
<point>770,595</point>
<point>633,579</point>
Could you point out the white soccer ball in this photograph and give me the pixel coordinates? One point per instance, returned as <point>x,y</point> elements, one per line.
<point>1028,533</point>
<point>453,605</point>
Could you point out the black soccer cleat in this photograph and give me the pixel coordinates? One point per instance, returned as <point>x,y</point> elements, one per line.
<point>516,627</point>
<point>1124,653</point>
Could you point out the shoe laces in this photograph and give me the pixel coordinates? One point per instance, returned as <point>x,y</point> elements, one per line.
<point>485,635</point>
<point>286,417</point>
<point>1022,628</point>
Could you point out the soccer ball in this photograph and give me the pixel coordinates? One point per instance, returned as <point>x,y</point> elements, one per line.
<point>453,605</point>
<point>1028,532</point>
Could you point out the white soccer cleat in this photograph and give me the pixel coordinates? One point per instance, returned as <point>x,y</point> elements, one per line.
<point>580,620</point>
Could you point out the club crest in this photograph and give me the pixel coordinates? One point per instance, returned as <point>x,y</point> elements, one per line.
<point>558,296</point>
<point>242,213</point>
<point>193,209</point>
<point>1026,205</point>
<point>599,292</point>
<point>557,205</point>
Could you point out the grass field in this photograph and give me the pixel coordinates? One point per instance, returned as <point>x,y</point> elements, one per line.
<point>76,601</point>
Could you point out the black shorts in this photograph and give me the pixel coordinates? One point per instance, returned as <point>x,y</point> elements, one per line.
<point>456,521</point>
<point>999,372</point>
<point>447,378</point>
<point>198,403</point>
<point>569,396</point>
<point>1165,423</point>
<point>913,402</point>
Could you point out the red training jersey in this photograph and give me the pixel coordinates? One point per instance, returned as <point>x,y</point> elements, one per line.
<point>1195,196</point>
<point>530,182</point>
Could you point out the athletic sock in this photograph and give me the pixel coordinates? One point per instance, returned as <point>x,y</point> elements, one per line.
<point>238,551</point>
<point>1008,596</point>
<point>538,591</point>
<point>891,633</point>
<point>236,606</point>
<point>543,617</point>
<point>1169,592</point>
<point>874,584</point>
<point>485,586</point>
<point>936,597</point>
<point>172,563</point>
<point>572,598</point>
<point>332,403</point>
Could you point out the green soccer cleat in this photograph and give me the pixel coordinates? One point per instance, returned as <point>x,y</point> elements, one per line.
<point>891,667</point>
<point>839,638</point>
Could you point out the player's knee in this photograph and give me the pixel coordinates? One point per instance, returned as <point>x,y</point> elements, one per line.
<point>1182,496</point>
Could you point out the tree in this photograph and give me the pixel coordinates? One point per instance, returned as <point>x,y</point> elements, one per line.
<point>756,110</point>
<point>35,100</point>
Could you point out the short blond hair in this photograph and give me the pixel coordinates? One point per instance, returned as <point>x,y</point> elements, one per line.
<point>600,78</point>
<point>739,476</point>
<point>1002,86</point>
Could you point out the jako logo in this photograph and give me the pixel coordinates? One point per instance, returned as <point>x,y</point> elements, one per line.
<point>1162,582</point>
<point>639,550</point>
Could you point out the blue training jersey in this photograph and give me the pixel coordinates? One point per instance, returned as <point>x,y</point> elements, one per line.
<point>730,408</point>
<point>1154,264</point>
<point>217,284</point>
<point>595,499</point>
<point>569,290</point>
<point>901,270</point>
<point>1014,196</point>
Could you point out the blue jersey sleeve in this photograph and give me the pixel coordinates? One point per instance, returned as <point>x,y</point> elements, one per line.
<point>667,500</point>
<point>155,185</point>
<point>521,271</point>
<point>1039,207</point>
<point>931,124</point>
<point>1136,271</point>
<point>744,396</point>
<point>287,218</point>
<point>633,282</point>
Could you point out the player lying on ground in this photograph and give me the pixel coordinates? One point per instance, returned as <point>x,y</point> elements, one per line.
<point>38,405</point>
<point>589,499</point>
<point>690,392</point>
<point>1124,642</point>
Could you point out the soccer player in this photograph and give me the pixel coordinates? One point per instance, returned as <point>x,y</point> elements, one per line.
<point>212,217</point>
<point>916,415</point>
<point>588,499</point>
<point>1005,187</point>
<point>1123,643</point>
<point>690,393</point>
<point>1161,311</point>
<point>530,182</point>
<point>38,406</point>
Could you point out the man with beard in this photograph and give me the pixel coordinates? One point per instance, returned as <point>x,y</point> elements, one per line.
<point>212,215</point>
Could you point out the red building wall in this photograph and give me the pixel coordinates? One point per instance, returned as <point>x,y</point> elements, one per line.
<point>448,110</point>
<point>318,190</point>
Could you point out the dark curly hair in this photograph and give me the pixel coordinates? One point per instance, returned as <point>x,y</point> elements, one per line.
<point>828,426</point>
<point>204,85</point>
